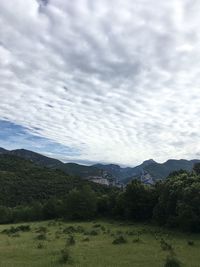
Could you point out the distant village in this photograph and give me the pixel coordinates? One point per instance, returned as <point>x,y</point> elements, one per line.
<point>108,180</point>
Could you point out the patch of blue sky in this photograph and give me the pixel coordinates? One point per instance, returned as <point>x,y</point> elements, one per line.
<point>13,136</point>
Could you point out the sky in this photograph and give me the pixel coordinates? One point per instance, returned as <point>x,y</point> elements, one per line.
<point>111,81</point>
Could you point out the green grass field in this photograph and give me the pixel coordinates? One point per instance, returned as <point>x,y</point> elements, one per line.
<point>41,246</point>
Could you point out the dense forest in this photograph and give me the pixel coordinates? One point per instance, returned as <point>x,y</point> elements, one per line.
<point>31,192</point>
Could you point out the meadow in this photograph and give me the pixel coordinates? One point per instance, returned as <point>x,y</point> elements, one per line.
<point>97,243</point>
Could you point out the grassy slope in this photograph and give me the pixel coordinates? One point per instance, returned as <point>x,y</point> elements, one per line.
<point>22,251</point>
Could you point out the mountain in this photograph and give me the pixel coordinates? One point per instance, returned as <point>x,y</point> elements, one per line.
<point>85,172</point>
<point>80,170</point>
<point>162,170</point>
<point>22,182</point>
<point>148,172</point>
<point>36,158</point>
<point>124,175</point>
<point>2,150</point>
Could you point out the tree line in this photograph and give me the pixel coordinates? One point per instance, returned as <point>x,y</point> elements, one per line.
<point>174,202</point>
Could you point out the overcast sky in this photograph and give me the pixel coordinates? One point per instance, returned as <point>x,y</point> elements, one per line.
<point>101,81</point>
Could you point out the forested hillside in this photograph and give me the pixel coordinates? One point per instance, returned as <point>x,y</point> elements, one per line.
<point>22,182</point>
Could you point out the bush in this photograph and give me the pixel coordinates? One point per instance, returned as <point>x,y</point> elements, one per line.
<point>69,230</point>
<point>41,236</point>
<point>164,245</point>
<point>97,226</point>
<point>40,245</point>
<point>119,240</point>
<point>41,229</point>
<point>190,243</point>
<point>86,239</point>
<point>92,232</point>
<point>172,262</point>
<point>65,256</point>
<point>12,230</point>
<point>70,240</point>
<point>136,240</point>
<point>24,228</point>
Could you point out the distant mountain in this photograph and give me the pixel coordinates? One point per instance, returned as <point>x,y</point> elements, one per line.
<point>147,172</point>
<point>149,168</point>
<point>2,150</point>
<point>124,175</point>
<point>80,170</point>
<point>115,170</point>
<point>69,168</point>
<point>36,158</point>
<point>162,170</point>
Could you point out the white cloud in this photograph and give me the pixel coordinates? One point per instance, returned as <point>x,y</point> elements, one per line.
<point>117,80</point>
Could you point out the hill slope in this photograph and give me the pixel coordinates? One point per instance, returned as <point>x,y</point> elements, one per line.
<point>149,168</point>
<point>41,160</point>
<point>22,181</point>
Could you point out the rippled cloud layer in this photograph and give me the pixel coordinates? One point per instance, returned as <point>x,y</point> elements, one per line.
<point>116,80</point>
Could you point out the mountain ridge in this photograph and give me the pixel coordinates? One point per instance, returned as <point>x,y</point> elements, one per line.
<point>149,168</point>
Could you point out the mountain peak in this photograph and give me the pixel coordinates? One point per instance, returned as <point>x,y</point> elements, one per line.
<point>148,162</point>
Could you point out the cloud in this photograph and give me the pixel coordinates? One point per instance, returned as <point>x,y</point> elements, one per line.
<point>14,136</point>
<point>117,81</point>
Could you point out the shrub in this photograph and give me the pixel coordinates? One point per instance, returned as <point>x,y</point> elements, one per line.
<point>80,229</point>
<point>65,256</point>
<point>164,245</point>
<point>15,235</point>
<point>97,225</point>
<point>41,236</point>
<point>119,240</point>
<point>190,243</point>
<point>24,228</point>
<point>41,229</point>
<point>92,232</point>
<point>70,240</point>
<point>172,262</point>
<point>136,240</point>
<point>86,239</point>
<point>12,230</point>
<point>40,245</point>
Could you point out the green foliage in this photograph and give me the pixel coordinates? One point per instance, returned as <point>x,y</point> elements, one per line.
<point>171,261</point>
<point>41,236</point>
<point>81,204</point>
<point>86,239</point>
<point>40,245</point>
<point>165,245</point>
<point>70,241</point>
<point>179,202</point>
<point>196,168</point>
<point>190,243</point>
<point>29,192</point>
<point>5,214</point>
<point>22,182</point>
<point>119,240</point>
<point>136,202</point>
<point>91,232</point>
<point>13,230</point>
<point>65,256</point>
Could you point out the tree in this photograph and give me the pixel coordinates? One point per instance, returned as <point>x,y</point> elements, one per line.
<point>179,202</point>
<point>137,202</point>
<point>5,215</point>
<point>80,204</point>
<point>196,168</point>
